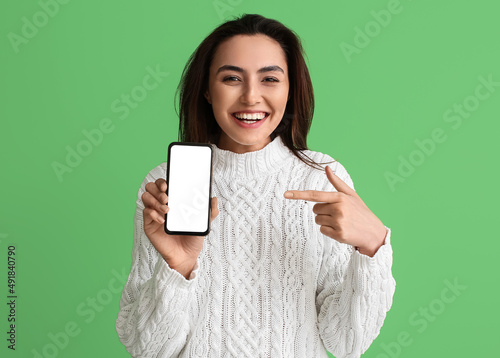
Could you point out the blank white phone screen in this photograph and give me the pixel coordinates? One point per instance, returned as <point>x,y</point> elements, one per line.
<point>189,188</point>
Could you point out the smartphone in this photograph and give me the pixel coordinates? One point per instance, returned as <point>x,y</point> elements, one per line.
<point>189,188</point>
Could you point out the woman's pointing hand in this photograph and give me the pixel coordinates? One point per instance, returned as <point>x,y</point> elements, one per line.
<point>343,216</point>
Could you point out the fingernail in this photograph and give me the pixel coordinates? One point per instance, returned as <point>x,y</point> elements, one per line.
<point>288,194</point>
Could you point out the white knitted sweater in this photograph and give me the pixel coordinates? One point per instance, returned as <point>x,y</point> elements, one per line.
<point>267,282</point>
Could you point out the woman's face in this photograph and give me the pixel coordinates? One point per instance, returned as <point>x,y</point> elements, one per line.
<point>248,78</point>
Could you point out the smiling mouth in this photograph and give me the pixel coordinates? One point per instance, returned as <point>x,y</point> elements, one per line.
<point>250,117</point>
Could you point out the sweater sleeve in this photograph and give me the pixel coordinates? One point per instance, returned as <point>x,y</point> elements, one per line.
<point>153,317</point>
<point>354,293</point>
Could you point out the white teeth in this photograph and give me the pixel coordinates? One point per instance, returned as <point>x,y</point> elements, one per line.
<point>259,116</point>
<point>248,121</point>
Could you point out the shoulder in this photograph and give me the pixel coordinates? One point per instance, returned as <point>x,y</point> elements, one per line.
<point>157,172</point>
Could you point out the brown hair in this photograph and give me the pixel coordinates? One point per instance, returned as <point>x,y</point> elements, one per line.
<point>197,122</point>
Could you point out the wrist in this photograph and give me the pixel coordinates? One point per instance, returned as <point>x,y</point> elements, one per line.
<point>366,251</point>
<point>372,247</point>
<point>184,269</point>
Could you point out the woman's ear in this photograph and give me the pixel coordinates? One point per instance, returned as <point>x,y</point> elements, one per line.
<point>207,96</point>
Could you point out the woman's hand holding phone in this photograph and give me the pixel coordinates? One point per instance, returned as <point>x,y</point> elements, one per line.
<point>180,251</point>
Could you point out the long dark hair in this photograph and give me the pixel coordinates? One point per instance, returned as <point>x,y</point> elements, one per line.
<point>197,122</point>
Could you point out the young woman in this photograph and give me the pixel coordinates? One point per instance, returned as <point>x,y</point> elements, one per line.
<point>295,263</point>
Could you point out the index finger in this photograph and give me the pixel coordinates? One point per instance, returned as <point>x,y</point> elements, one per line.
<point>155,189</point>
<point>161,184</point>
<point>313,195</point>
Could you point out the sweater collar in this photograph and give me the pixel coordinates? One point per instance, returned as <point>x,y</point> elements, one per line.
<point>251,164</point>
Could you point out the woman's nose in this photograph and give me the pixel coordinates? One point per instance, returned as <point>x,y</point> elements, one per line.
<point>251,94</point>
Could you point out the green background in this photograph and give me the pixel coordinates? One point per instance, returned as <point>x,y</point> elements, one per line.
<point>73,235</point>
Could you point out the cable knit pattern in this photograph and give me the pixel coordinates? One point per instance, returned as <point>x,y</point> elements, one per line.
<point>267,282</point>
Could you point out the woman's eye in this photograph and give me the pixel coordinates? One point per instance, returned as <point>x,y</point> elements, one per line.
<point>234,78</point>
<point>230,78</point>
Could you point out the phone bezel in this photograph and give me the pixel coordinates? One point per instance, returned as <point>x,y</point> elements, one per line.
<point>190,233</point>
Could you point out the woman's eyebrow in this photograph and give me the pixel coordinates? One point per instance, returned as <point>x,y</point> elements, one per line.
<point>239,69</point>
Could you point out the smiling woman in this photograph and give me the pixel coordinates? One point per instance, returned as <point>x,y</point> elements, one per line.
<point>277,276</point>
<point>248,100</point>
<point>254,35</point>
